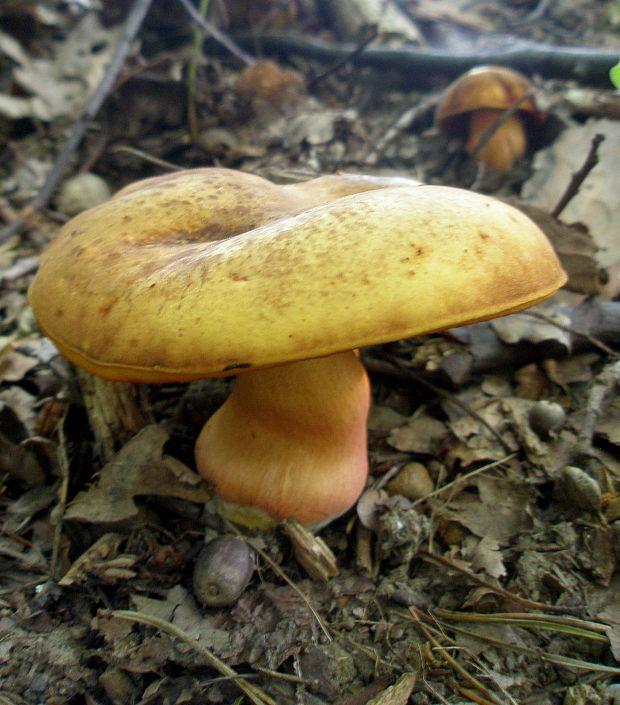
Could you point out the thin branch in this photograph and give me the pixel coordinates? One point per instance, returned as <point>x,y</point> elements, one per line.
<point>192,73</point>
<point>440,650</point>
<point>503,118</point>
<point>339,63</point>
<point>594,342</point>
<point>579,176</point>
<point>422,66</point>
<point>506,594</point>
<point>463,479</point>
<point>216,34</point>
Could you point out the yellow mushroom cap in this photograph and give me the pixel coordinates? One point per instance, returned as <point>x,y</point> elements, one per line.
<point>484,87</point>
<point>143,288</point>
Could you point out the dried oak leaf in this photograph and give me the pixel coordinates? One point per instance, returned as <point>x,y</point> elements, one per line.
<point>487,556</point>
<point>474,440</point>
<point>421,434</point>
<point>575,247</point>
<point>529,327</point>
<point>499,512</point>
<point>605,606</point>
<point>140,468</point>
<point>398,693</point>
<point>181,609</point>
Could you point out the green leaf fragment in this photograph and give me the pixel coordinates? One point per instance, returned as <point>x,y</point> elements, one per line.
<point>614,75</point>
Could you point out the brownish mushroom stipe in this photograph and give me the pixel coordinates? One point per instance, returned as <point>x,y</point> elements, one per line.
<point>145,287</point>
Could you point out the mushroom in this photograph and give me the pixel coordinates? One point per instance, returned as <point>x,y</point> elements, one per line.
<point>213,272</point>
<point>473,103</point>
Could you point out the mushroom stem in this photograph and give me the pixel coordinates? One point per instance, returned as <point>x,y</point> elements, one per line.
<point>290,440</point>
<point>507,143</point>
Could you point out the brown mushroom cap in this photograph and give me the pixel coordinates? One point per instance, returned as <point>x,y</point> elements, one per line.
<point>144,287</point>
<point>484,87</point>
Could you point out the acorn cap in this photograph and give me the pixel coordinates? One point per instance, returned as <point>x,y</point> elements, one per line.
<point>144,287</point>
<point>484,87</point>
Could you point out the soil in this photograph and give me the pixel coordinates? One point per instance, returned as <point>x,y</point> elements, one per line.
<point>481,563</point>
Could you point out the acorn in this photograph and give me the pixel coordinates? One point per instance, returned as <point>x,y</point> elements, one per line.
<point>222,571</point>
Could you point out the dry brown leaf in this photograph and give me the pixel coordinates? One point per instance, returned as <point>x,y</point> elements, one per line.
<point>526,327</point>
<point>499,512</point>
<point>487,556</point>
<point>59,85</point>
<point>396,694</point>
<point>577,368</point>
<point>147,656</point>
<point>476,442</point>
<point>609,614</point>
<point>421,434</point>
<point>20,404</point>
<point>181,609</point>
<point>609,425</point>
<point>14,365</point>
<point>140,468</point>
<point>18,461</point>
<point>575,247</point>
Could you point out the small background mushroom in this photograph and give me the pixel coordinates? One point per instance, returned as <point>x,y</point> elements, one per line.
<point>477,100</point>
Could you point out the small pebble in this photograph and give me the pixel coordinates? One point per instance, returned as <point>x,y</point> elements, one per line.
<point>546,418</point>
<point>81,192</point>
<point>412,482</point>
<point>223,570</point>
<point>578,490</point>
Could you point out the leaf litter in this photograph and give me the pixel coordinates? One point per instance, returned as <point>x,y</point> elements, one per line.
<point>97,556</point>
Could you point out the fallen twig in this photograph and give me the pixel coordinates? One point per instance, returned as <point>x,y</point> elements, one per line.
<point>442,652</point>
<point>63,494</point>
<point>463,479</point>
<point>557,659</point>
<point>217,35</point>
<point>421,67</point>
<point>502,119</point>
<point>340,62</point>
<point>506,594</point>
<point>402,123</point>
<point>579,176</point>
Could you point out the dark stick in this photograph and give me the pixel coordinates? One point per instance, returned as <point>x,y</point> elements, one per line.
<point>339,63</point>
<point>503,118</point>
<point>133,23</point>
<point>579,176</point>
<point>422,67</point>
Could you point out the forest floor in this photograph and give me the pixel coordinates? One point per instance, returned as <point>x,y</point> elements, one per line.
<point>480,565</point>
